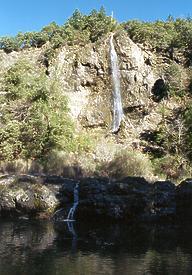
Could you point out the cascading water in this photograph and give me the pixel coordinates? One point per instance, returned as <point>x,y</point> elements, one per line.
<point>75,203</point>
<point>117,104</point>
<point>59,214</point>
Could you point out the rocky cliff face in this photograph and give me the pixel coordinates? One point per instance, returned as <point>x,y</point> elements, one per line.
<point>131,199</point>
<point>85,75</point>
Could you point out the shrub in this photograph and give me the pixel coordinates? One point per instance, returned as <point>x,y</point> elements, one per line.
<point>34,116</point>
<point>172,167</point>
<point>188,132</point>
<point>78,29</point>
<point>174,79</point>
<point>163,36</point>
<point>67,164</point>
<point>158,34</point>
<point>128,163</point>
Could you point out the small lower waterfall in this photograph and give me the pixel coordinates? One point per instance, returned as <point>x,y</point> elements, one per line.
<point>117,104</point>
<point>75,203</point>
<point>60,213</point>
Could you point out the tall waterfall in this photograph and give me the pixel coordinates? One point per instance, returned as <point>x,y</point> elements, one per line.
<point>117,104</point>
<point>75,203</point>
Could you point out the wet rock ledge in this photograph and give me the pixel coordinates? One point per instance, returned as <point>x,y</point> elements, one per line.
<point>131,199</point>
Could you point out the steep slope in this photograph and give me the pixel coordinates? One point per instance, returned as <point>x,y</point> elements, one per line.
<point>84,74</point>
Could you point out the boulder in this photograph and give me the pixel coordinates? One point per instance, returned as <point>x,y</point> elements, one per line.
<point>161,202</point>
<point>130,200</point>
<point>25,195</point>
<point>184,200</point>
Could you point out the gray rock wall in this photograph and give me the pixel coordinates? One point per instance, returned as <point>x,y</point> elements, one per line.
<point>130,200</point>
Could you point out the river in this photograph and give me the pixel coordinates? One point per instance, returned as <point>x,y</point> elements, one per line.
<point>43,247</point>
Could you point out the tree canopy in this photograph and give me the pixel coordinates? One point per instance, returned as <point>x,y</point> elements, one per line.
<point>34,115</point>
<point>78,28</point>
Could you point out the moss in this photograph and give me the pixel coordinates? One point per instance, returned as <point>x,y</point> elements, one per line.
<point>38,203</point>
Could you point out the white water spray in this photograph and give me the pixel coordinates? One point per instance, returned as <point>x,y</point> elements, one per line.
<point>75,203</point>
<point>117,104</point>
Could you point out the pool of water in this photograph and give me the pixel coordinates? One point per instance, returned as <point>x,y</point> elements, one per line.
<point>33,247</point>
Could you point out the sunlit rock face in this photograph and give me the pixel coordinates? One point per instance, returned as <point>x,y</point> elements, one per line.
<point>85,80</point>
<point>137,70</point>
<point>86,77</point>
<point>26,195</point>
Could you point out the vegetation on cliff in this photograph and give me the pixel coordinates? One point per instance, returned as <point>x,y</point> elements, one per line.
<point>34,114</point>
<point>34,117</point>
<point>78,29</point>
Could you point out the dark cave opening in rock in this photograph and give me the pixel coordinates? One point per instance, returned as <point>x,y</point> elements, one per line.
<point>159,90</point>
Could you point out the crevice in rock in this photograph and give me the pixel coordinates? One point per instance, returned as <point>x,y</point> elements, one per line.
<point>159,90</point>
<point>148,62</point>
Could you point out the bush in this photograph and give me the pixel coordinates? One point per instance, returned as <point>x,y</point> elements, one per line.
<point>34,116</point>
<point>128,163</point>
<point>18,166</point>
<point>69,164</point>
<point>188,134</point>
<point>172,167</point>
<point>78,29</point>
<point>174,79</point>
<point>162,35</point>
<point>158,34</point>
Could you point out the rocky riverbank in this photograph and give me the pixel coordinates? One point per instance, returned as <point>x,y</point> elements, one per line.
<point>131,199</point>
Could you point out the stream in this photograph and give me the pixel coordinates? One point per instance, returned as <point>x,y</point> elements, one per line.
<point>44,247</point>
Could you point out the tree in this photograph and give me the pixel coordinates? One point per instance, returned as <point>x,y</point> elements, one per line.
<point>77,20</point>
<point>34,115</point>
<point>100,24</point>
<point>9,44</point>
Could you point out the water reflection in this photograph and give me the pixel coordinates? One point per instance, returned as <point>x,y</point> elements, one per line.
<point>71,229</point>
<point>70,248</point>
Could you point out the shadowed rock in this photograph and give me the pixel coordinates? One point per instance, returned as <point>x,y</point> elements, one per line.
<point>131,199</point>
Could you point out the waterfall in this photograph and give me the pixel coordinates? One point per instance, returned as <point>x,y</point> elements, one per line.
<point>117,104</point>
<point>75,203</point>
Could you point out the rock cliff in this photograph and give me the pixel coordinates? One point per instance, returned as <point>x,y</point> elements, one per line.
<point>129,200</point>
<point>84,74</point>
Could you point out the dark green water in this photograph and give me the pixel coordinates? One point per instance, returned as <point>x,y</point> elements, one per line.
<point>28,248</point>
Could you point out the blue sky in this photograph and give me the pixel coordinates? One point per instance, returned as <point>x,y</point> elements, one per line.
<point>32,15</point>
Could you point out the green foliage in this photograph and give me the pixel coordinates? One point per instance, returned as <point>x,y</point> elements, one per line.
<point>82,143</point>
<point>128,163</point>
<point>78,29</point>
<point>88,28</point>
<point>171,145</point>
<point>188,125</point>
<point>9,44</point>
<point>175,85</point>
<point>162,35</point>
<point>22,81</point>
<point>159,34</point>
<point>183,28</point>
<point>172,167</point>
<point>99,24</point>
<point>34,117</point>
<point>171,132</point>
